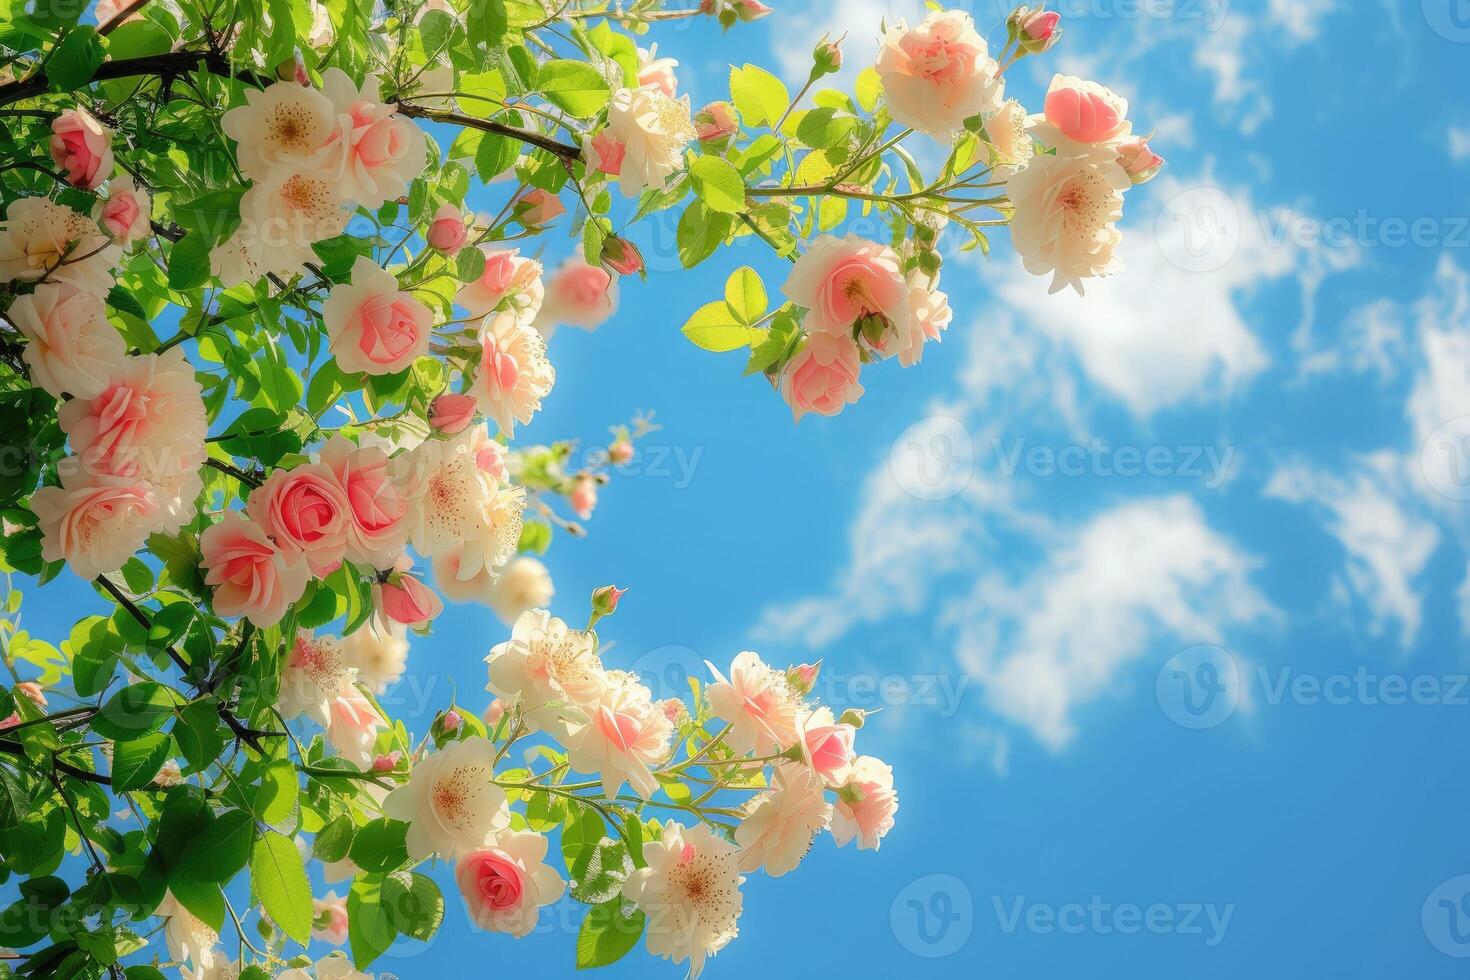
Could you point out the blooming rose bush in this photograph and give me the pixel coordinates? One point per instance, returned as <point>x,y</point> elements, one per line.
<point>263,363</point>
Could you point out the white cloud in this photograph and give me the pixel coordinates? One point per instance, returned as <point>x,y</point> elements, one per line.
<point>1386,542</point>
<point>1169,329</point>
<point>1300,18</point>
<point>1459,143</point>
<point>1106,596</point>
<point>1438,408</point>
<point>1374,341</point>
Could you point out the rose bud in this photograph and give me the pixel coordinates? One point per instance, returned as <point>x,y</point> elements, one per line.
<point>451,414</point>
<point>826,58</point>
<point>538,208</point>
<point>716,124</point>
<point>1035,30</point>
<point>1141,162</point>
<point>623,257</point>
<point>447,232</point>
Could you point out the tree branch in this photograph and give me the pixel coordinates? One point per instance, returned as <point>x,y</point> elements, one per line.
<point>170,65</point>
<point>564,150</point>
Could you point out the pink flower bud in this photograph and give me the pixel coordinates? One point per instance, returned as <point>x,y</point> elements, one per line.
<point>387,762</point>
<point>82,147</point>
<point>605,600</point>
<point>293,69</point>
<point>826,58</point>
<point>620,452</point>
<point>1036,30</point>
<point>622,257</point>
<point>1141,162</point>
<point>447,232</point>
<point>451,721</point>
<point>803,677</point>
<point>404,599</point>
<point>716,123</point>
<point>749,10</point>
<point>538,208</point>
<point>451,414</point>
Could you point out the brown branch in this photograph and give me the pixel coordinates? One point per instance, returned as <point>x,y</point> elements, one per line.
<point>564,150</point>
<point>168,66</point>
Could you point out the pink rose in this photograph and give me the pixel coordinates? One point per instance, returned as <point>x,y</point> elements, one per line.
<point>1037,28</point>
<point>490,459</point>
<point>125,213</point>
<point>1085,112</point>
<point>82,147</point>
<point>505,882</point>
<point>716,123</point>
<point>404,599</point>
<point>506,276</point>
<point>822,377</point>
<point>306,512</point>
<point>387,762</point>
<point>828,748</point>
<point>1139,159</point>
<point>251,577</point>
<point>375,327</point>
<point>94,522</point>
<point>937,75</point>
<point>842,280</point>
<point>447,232</point>
<point>578,295</point>
<point>538,208</point>
<point>373,152</point>
<point>866,804</point>
<point>352,725</point>
<point>377,510</point>
<point>604,154</point>
<point>72,348</point>
<point>583,496</point>
<point>451,414</point>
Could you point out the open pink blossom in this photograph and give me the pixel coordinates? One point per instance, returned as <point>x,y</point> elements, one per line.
<point>82,147</point>
<point>506,883</point>
<point>450,803</point>
<point>583,496</point>
<point>507,278</point>
<point>689,885</point>
<point>42,239</point>
<point>374,326</point>
<point>758,703</point>
<point>514,374</point>
<point>377,510</point>
<point>305,510</point>
<point>938,74</point>
<point>125,212</point>
<point>373,152</point>
<point>353,724</point>
<point>94,522</point>
<point>827,746</point>
<point>280,127</point>
<point>866,804</point>
<point>842,280</point>
<point>624,735</point>
<point>250,576</point>
<point>822,377</point>
<point>578,295</point>
<point>932,317</point>
<point>447,232</point>
<point>779,824</point>
<point>72,348</point>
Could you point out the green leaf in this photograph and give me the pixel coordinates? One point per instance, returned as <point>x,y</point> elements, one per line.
<point>715,327</point>
<point>137,761</point>
<point>746,295</point>
<point>822,128</point>
<point>199,733</point>
<point>369,930</point>
<point>203,898</point>
<point>29,919</point>
<point>700,232</point>
<point>188,263</point>
<point>718,184</point>
<point>135,711</point>
<point>607,933</point>
<point>379,845</point>
<point>868,88</point>
<point>759,96</point>
<point>495,155</point>
<point>414,905</point>
<point>75,60</point>
<point>221,850</point>
<point>333,841</point>
<point>575,87</point>
<point>279,880</point>
<point>600,870</point>
<point>275,801</point>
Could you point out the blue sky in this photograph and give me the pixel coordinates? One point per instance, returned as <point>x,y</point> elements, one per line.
<point>1194,720</point>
